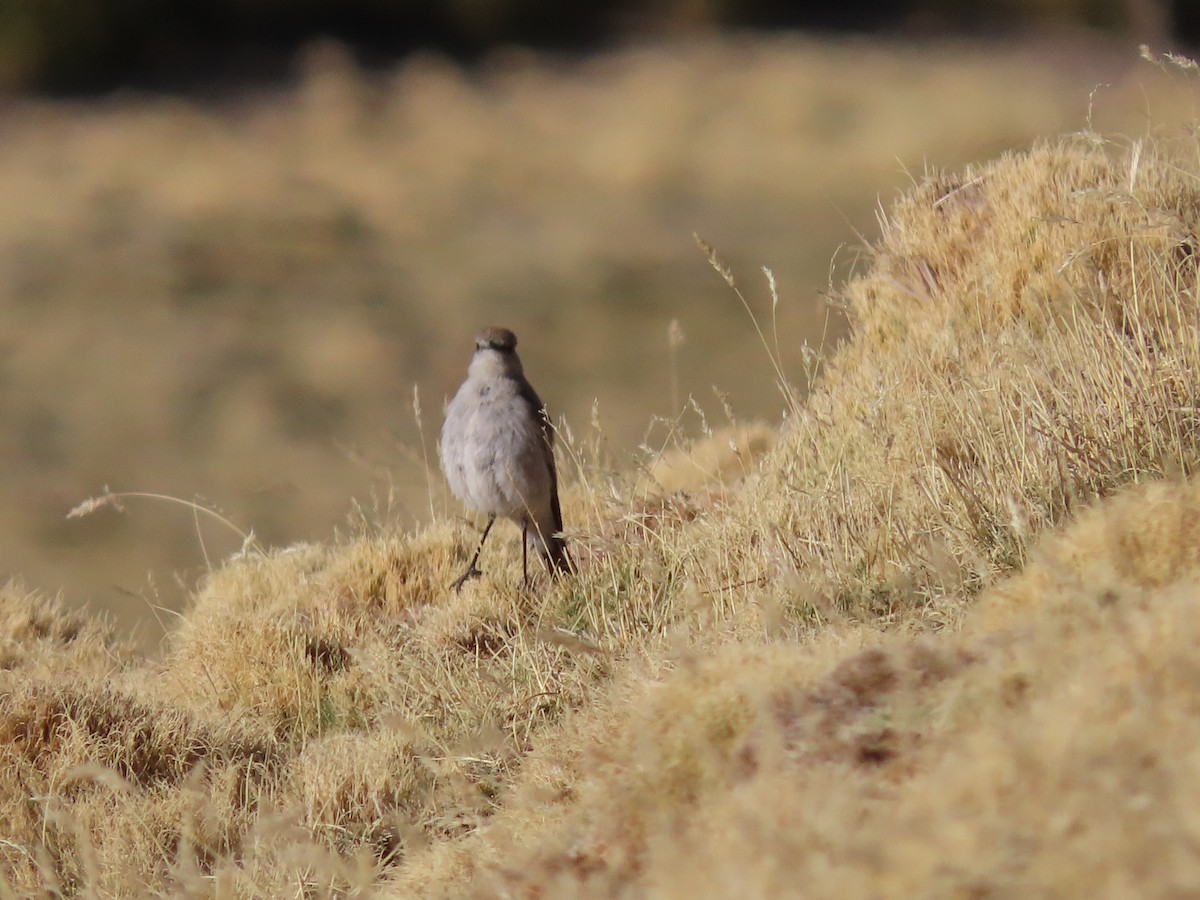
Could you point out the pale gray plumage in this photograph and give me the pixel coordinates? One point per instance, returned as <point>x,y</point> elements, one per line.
<point>497,451</point>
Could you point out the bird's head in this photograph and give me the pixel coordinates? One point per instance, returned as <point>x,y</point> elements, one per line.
<point>495,354</point>
<point>496,338</point>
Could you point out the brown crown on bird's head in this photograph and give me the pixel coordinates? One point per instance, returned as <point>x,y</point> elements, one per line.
<point>496,338</point>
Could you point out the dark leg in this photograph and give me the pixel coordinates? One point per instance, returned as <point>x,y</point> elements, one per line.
<point>525,553</point>
<point>473,572</point>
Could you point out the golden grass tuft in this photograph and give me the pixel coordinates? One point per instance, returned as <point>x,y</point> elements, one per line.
<point>102,790</point>
<point>727,455</point>
<point>1144,541</point>
<point>934,636</point>
<point>41,636</point>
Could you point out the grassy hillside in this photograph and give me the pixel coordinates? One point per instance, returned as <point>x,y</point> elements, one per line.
<point>934,636</point>
<point>236,301</point>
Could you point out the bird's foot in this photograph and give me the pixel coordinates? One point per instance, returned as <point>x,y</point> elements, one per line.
<point>472,572</point>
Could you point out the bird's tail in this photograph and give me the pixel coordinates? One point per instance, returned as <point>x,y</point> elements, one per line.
<point>558,560</point>
<point>552,547</point>
<point>547,537</point>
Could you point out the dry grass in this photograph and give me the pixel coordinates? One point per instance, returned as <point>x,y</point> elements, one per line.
<point>232,301</point>
<point>935,636</point>
<point>1046,748</point>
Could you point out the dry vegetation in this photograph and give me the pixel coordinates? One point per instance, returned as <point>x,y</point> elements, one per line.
<point>934,637</point>
<point>232,299</point>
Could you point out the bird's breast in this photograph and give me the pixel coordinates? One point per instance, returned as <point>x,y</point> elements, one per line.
<point>493,449</point>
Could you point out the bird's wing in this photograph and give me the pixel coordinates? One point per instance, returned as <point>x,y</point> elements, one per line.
<point>538,408</point>
<point>530,396</point>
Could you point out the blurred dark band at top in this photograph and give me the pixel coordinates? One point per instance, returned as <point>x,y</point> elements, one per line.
<point>86,46</point>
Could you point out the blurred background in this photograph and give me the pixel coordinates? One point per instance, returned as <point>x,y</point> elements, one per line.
<point>240,237</point>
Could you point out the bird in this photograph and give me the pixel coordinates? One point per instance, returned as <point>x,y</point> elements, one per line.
<point>497,451</point>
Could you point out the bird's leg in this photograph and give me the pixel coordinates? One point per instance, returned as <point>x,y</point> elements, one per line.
<point>472,571</point>
<point>525,552</point>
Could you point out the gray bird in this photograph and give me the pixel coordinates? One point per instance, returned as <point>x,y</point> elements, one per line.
<point>497,451</point>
